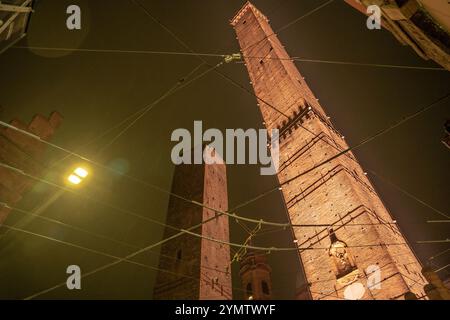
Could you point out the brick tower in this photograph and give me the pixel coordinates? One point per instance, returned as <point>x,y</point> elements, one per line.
<point>256,277</point>
<point>198,269</point>
<point>341,256</point>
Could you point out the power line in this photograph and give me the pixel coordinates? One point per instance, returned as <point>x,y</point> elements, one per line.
<point>403,120</point>
<point>119,51</point>
<point>433,241</point>
<point>93,251</point>
<point>97,235</point>
<point>235,83</point>
<point>289,24</point>
<point>140,113</point>
<point>360,144</point>
<point>410,195</point>
<point>128,212</point>
<point>361,64</point>
<point>132,255</point>
<point>193,53</point>
<point>148,108</point>
<point>222,56</point>
<point>441,269</point>
<point>232,215</point>
<point>66,225</point>
<point>269,249</point>
<point>275,249</point>
<point>187,47</point>
<point>131,116</point>
<point>124,211</point>
<point>225,76</point>
<point>106,266</point>
<point>438,254</point>
<point>372,171</point>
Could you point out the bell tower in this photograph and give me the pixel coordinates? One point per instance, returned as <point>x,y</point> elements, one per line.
<point>338,195</point>
<point>256,277</point>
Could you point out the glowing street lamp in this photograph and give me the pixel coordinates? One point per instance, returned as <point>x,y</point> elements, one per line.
<point>77,176</point>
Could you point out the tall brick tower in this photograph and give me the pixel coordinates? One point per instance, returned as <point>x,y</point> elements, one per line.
<point>341,256</point>
<point>198,269</point>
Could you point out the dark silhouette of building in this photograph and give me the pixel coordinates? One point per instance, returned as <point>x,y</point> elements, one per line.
<point>336,195</point>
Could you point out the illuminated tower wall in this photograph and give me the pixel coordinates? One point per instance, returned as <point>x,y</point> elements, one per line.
<point>338,194</point>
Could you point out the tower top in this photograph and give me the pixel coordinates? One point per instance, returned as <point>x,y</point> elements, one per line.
<point>247,6</point>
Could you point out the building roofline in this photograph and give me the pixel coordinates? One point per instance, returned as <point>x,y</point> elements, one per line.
<point>248,5</point>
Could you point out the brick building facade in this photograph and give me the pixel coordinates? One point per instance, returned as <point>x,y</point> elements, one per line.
<point>199,269</point>
<point>25,153</point>
<point>421,24</point>
<point>337,194</point>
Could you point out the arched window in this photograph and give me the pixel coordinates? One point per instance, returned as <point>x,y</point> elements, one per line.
<point>265,288</point>
<point>249,289</point>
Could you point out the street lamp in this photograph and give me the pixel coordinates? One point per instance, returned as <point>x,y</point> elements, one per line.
<point>77,176</point>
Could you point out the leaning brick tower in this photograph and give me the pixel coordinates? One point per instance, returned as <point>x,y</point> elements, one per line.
<point>196,269</point>
<point>340,259</point>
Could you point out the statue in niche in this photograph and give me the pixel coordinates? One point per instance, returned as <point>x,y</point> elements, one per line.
<point>342,259</point>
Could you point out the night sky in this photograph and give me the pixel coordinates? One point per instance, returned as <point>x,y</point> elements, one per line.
<point>96,91</point>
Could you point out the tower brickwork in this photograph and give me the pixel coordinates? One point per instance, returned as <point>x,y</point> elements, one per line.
<point>197,269</point>
<point>337,194</point>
